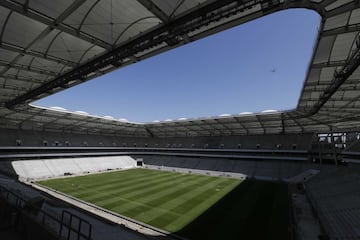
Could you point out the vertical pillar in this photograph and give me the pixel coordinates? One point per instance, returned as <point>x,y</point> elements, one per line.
<point>333,145</point>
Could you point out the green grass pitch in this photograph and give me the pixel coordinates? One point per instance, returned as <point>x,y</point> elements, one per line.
<point>193,206</point>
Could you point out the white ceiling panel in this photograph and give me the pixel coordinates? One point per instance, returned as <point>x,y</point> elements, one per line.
<point>324,49</point>
<point>51,8</point>
<point>355,16</point>
<point>21,30</point>
<point>342,46</point>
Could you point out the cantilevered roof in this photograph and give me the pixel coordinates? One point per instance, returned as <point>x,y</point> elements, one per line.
<point>48,46</point>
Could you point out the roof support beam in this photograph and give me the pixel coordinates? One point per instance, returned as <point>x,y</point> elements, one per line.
<point>95,130</point>
<point>282,124</point>
<point>224,125</point>
<point>241,125</point>
<point>339,78</point>
<point>54,23</point>
<point>342,9</point>
<point>151,134</point>
<point>4,116</point>
<point>79,122</point>
<point>261,124</point>
<point>7,95</point>
<point>329,64</point>
<point>341,30</point>
<point>176,8</point>
<point>31,116</point>
<point>7,87</point>
<point>330,116</point>
<point>154,9</point>
<point>55,120</point>
<point>73,125</point>
<point>13,48</point>
<point>348,117</point>
<point>321,86</point>
<point>325,3</point>
<point>189,129</point>
<point>29,69</point>
<point>335,111</point>
<point>320,122</point>
<point>350,101</point>
<point>22,79</point>
<point>26,5</point>
<point>297,123</point>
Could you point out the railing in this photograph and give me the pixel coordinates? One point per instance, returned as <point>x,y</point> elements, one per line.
<point>12,198</point>
<point>50,222</point>
<point>86,234</point>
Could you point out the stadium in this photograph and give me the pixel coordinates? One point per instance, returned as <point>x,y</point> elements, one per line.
<point>64,174</point>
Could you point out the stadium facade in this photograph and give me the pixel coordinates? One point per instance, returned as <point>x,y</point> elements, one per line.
<point>50,46</point>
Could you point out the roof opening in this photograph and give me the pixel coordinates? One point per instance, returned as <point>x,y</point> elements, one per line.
<point>253,67</point>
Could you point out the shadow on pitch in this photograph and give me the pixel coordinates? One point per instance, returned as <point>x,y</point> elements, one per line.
<point>246,212</point>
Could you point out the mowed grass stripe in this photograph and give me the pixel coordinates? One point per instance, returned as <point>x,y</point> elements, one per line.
<point>96,179</point>
<point>120,184</point>
<point>89,186</point>
<point>86,190</point>
<point>162,189</point>
<point>122,204</point>
<point>194,207</point>
<point>119,189</point>
<point>148,191</point>
<point>93,180</point>
<point>136,174</point>
<point>121,179</point>
<point>155,203</point>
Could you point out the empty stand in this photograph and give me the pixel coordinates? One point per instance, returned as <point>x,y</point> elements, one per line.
<point>55,139</point>
<point>36,169</point>
<point>261,169</point>
<point>335,195</point>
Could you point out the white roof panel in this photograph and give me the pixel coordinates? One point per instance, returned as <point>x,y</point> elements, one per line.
<point>327,75</point>
<point>175,7</point>
<point>68,47</point>
<point>336,21</point>
<point>342,46</point>
<point>337,4</point>
<point>355,16</point>
<point>324,49</point>
<point>108,19</point>
<point>51,8</point>
<point>21,30</point>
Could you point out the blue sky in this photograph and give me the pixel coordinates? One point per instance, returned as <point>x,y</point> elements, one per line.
<point>230,72</point>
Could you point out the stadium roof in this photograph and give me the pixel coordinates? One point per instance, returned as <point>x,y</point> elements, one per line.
<point>49,46</point>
